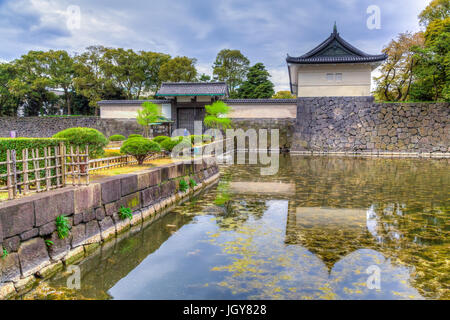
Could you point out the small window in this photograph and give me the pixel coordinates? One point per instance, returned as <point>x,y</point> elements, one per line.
<point>330,76</point>
<point>338,76</point>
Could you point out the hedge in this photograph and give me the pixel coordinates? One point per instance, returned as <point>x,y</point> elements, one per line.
<point>160,139</point>
<point>20,144</point>
<point>140,148</point>
<point>134,135</point>
<point>83,137</point>
<point>169,144</point>
<point>117,137</point>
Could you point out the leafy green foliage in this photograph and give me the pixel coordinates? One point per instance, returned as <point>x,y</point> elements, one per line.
<point>62,226</point>
<point>49,243</point>
<point>148,115</point>
<point>283,95</point>
<point>117,137</point>
<point>140,148</point>
<point>183,185</point>
<point>125,213</point>
<point>216,115</point>
<point>169,144</point>
<point>192,183</point>
<point>19,144</point>
<point>135,136</point>
<point>257,85</point>
<point>83,137</point>
<point>231,66</point>
<point>112,153</point>
<point>5,253</point>
<point>178,69</point>
<point>160,139</point>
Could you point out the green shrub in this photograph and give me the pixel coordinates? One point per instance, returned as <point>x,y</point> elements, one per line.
<point>62,226</point>
<point>183,186</point>
<point>5,253</point>
<point>125,213</point>
<point>83,137</point>
<point>20,144</point>
<point>117,137</point>
<point>160,139</point>
<point>192,183</point>
<point>169,144</point>
<point>135,136</point>
<point>140,148</point>
<point>112,153</point>
<point>207,138</point>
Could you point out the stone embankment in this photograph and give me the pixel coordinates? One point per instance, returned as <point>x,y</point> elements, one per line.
<point>28,230</point>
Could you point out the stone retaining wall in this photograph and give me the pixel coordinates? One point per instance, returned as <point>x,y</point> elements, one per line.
<point>26,224</point>
<point>37,127</point>
<point>284,125</point>
<point>357,124</point>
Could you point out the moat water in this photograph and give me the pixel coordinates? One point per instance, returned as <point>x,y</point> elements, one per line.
<point>322,228</point>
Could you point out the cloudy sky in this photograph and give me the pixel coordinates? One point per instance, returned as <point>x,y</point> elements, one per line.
<point>264,30</point>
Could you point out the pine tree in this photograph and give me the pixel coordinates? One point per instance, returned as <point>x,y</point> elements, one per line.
<point>257,85</point>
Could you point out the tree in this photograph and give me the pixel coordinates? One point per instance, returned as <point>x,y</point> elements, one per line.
<point>149,114</point>
<point>283,95</point>
<point>436,10</point>
<point>257,85</point>
<point>140,148</point>
<point>217,116</point>
<point>8,102</point>
<point>151,64</point>
<point>31,83</point>
<point>91,80</point>
<point>178,69</point>
<point>231,66</point>
<point>433,63</point>
<point>397,75</point>
<point>204,78</point>
<point>60,70</point>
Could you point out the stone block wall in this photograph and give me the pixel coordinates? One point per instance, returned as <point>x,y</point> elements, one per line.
<point>284,125</point>
<point>42,127</point>
<point>357,124</point>
<point>28,225</point>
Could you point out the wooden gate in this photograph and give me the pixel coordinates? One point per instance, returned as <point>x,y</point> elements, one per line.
<point>187,116</point>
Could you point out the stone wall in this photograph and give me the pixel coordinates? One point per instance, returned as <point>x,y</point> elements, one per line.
<point>357,124</point>
<point>26,224</point>
<point>285,127</point>
<point>37,127</point>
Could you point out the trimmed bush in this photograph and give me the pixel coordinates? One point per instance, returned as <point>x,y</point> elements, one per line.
<point>135,136</point>
<point>169,144</point>
<point>160,139</point>
<point>83,137</point>
<point>140,148</point>
<point>112,153</point>
<point>20,144</point>
<point>117,137</point>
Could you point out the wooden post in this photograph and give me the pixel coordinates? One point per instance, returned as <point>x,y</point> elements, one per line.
<point>8,173</point>
<point>78,165</point>
<point>62,153</point>
<point>46,165</point>
<point>37,173</point>
<point>72,159</point>
<point>57,168</point>
<point>87,164</point>
<point>14,172</point>
<point>25,171</point>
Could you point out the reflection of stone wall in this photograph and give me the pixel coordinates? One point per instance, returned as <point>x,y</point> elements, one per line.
<point>358,124</point>
<point>93,213</point>
<point>43,127</point>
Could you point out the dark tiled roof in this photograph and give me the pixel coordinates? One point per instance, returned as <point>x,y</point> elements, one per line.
<point>335,50</point>
<point>132,102</point>
<point>260,101</point>
<point>169,89</point>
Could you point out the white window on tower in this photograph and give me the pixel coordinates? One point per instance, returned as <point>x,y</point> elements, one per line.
<point>338,76</point>
<point>330,76</point>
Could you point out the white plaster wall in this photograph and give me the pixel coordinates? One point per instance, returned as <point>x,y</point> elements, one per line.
<point>128,111</point>
<point>313,82</point>
<point>263,111</point>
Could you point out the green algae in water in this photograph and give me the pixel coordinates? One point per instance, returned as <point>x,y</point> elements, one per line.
<point>309,232</point>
